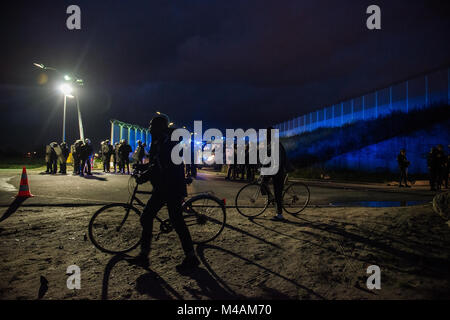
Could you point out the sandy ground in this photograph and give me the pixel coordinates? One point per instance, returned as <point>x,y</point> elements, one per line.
<point>323,254</point>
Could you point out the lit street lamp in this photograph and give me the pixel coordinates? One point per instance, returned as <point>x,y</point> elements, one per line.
<point>67,90</point>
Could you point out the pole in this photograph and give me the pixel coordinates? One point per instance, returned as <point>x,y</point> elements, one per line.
<point>64,120</point>
<point>80,121</point>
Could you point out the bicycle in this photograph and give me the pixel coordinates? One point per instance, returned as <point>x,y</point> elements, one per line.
<point>254,198</point>
<point>115,228</point>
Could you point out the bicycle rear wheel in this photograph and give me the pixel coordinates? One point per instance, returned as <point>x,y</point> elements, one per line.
<point>205,217</point>
<point>116,228</point>
<point>252,200</point>
<point>295,198</point>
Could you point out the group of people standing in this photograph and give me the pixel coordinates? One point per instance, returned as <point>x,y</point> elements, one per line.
<point>82,153</point>
<point>438,163</point>
<point>56,154</point>
<point>120,153</point>
<point>246,170</point>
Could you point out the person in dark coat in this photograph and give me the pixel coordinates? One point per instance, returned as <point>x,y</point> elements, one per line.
<point>441,160</point>
<point>403,165</point>
<point>76,156</point>
<point>432,165</point>
<point>278,178</point>
<point>48,157</point>
<point>85,157</point>
<point>62,159</point>
<point>115,154</point>
<point>124,154</point>
<point>139,153</point>
<point>169,187</point>
<point>106,155</point>
<point>54,157</point>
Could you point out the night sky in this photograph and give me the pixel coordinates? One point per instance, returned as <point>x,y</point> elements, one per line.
<point>229,63</point>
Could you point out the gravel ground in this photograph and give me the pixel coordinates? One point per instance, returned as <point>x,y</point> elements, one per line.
<point>323,254</point>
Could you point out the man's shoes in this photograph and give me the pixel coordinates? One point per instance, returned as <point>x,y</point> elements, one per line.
<point>188,264</point>
<point>400,186</point>
<point>407,186</point>
<point>278,218</point>
<point>140,260</point>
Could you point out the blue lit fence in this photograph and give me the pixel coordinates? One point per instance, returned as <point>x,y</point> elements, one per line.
<point>420,92</point>
<point>131,133</point>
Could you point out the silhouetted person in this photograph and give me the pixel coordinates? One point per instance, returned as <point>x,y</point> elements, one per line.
<point>432,167</point>
<point>441,160</point>
<point>169,187</point>
<point>116,157</point>
<point>124,154</point>
<point>48,158</point>
<point>106,151</point>
<point>191,168</point>
<point>76,156</point>
<point>232,167</point>
<point>403,165</point>
<point>279,177</point>
<point>63,158</point>
<point>139,153</point>
<point>85,157</point>
<point>54,157</point>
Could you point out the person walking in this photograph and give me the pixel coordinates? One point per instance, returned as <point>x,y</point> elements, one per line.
<point>169,187</point>
<point>403,165</point>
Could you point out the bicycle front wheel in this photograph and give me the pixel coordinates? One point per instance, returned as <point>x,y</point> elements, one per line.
<point>116,228</point>
<point>296,198</point>
<point>205,217</point>
<point>252,200</point>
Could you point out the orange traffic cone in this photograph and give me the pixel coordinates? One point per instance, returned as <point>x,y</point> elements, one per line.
<point>24,189</point>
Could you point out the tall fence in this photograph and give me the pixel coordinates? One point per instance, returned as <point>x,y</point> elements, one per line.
<point>418,92</point>
<point>130,132</point>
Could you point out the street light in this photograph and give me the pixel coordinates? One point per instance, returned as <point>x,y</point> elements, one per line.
<point>67,90</point>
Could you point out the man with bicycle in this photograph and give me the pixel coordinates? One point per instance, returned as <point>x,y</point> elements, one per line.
<point>279,177</point>
<point>169,187</point>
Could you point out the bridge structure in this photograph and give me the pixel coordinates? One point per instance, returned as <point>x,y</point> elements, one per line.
<point>130,132</point>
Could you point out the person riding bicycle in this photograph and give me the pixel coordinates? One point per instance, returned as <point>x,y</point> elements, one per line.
<point>278,178</point>
<point>169,187</point>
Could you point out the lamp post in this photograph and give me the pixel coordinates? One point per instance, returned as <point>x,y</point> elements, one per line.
<point>67,91</point>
